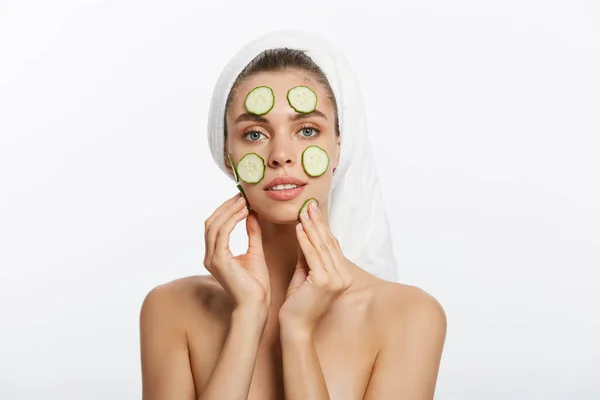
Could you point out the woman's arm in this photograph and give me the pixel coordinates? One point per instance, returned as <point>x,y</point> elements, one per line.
<point>233,372</point>
<point>302,374</point>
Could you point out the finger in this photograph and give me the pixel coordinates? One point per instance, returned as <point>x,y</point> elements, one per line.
<point>318,243</point>
<point>218,218</point>
<point>327,237</point>
<point>255,245</point>
<point>301,271</point>
<point>302,263</point>
<point>220,209</point>
<point>311,257</point>
<point>224,233</point>
<point>301,258</point>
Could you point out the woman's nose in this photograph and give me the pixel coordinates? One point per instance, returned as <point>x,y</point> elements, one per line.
<point>282,154</point>
<point>278,160</point>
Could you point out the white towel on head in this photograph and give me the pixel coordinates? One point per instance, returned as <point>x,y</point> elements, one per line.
<point>357,214</point>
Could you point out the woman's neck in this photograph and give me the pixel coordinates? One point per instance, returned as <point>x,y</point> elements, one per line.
<point>280,245</point>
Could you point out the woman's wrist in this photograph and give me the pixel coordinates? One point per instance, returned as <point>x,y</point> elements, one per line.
<point>289,330</point>
<point>251,314</point>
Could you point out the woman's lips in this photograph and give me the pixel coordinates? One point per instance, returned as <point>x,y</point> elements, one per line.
<point>286,194</point>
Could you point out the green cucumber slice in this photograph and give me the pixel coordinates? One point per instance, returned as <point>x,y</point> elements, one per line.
<point>251,168</point>
<point>302,99</point>
<point>306,205</point>
<point>260,100</point>
<point>235,175</point>
<point>237,181</point>
<point>241,189</point>
<point>315,161</point>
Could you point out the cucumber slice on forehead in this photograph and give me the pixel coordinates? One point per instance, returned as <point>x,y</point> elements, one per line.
<point>303,207</point>
<point>260,100</point>
<point>251,168</point>
<point>237,181</point>
<point>315,161</point>
<point>302,99</point>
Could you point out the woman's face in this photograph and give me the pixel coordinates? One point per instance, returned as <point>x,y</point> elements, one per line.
<point>279,137</point>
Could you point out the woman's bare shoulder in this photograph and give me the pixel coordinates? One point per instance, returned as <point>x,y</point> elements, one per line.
<point>170,313</point>
<point>196,293</point>
<point>398,305</point>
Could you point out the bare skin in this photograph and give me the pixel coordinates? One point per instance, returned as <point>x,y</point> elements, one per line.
<point>221,337</point>
<point>348,341</point>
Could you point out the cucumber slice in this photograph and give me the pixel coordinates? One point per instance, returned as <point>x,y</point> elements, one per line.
<point>251,168</point>
<point>237,181</point>
<point>235,175</point>
<point>306,205</point>
<point>260,100</point>
<point>315,161</point>
<point>302,99</point>
<point>241,189</point>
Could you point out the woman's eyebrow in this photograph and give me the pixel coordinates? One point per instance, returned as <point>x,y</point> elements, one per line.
<point>250,117</point>
<point>294,117</point>
<point>313,113</point>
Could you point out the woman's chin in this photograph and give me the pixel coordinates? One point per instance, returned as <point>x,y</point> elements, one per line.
<point>280,214</point>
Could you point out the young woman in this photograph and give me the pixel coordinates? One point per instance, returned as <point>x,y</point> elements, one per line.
<point>311,310</point>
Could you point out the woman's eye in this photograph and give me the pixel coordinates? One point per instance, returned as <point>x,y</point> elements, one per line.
<point>304,132</point>
<point>253,136</point>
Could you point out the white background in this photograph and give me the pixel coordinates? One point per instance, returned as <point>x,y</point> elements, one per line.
<point>484,116</point>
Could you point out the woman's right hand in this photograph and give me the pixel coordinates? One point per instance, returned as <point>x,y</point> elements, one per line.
<point>245,277</point>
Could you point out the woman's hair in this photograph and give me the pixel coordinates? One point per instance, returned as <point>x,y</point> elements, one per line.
<point>278,60</point>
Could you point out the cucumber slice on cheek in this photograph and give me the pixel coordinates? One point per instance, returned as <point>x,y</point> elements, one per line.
<point>251,168</point>
<point>237,181</point>
<point>235,176</point>
<point>315,161</point>
<point>302,99</point>
<point>260,100</point>
<point>303,207</point>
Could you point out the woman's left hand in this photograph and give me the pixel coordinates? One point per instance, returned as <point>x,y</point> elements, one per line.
<point>321,274</point>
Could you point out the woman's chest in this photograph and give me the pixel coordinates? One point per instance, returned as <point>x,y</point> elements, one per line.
<point>346,348</point>
<point>346,360</point>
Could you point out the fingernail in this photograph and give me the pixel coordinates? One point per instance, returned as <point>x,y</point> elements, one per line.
<point>305,214</point>
<point>314,207</point>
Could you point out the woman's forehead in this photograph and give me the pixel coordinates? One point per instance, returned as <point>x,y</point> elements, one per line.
<point>281,82</point>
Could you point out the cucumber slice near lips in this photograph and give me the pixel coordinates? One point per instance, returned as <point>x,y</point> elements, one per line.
<point>315,161</point>
<point>260,100</point>
<point>237,181</point>
<point>302,99</point>
<point>251,168</point>
<point>306,205</point>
